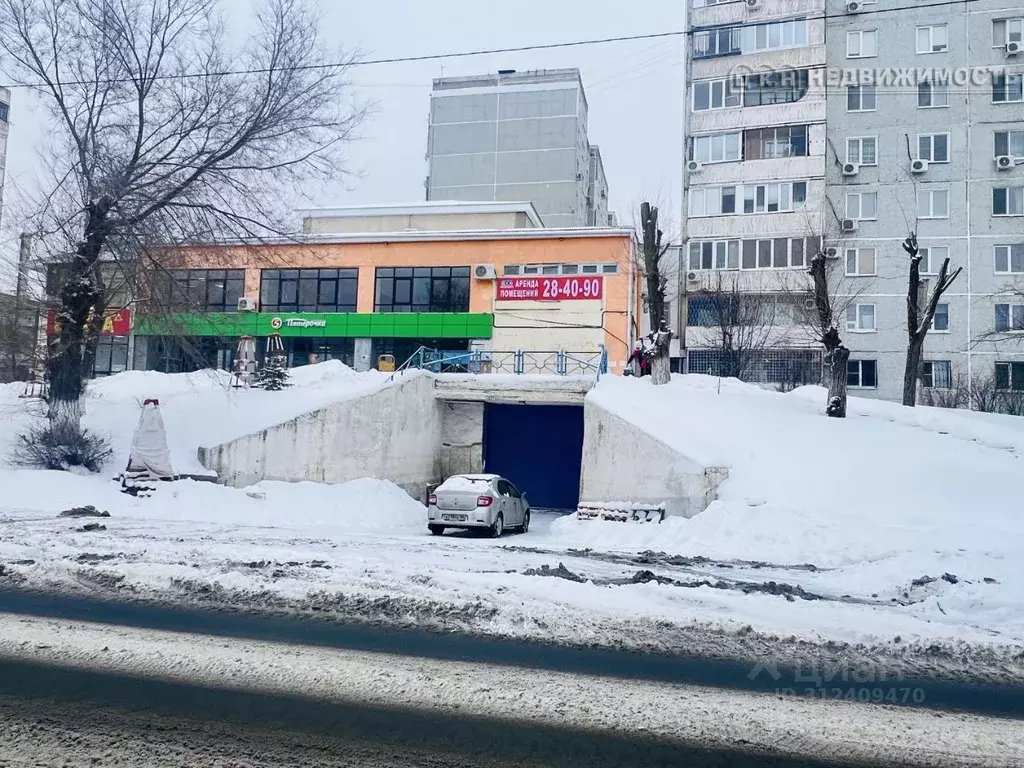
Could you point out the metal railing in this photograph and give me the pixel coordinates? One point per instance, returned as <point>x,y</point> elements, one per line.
<point>518,362</point>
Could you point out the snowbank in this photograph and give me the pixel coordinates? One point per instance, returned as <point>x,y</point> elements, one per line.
<point>198,408</point>
<point>884,481</point>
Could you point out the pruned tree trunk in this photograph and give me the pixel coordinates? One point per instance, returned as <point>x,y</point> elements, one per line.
<point>918,322</point>
<point>659,349</point>
<point>837,356</point>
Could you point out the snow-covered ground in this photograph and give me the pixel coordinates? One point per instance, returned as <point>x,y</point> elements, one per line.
<point>818,535</point>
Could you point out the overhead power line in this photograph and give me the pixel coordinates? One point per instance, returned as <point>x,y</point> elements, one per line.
<point>489,51</point>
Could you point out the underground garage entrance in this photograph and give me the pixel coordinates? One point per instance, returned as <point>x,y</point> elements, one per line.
<point>539,448</point>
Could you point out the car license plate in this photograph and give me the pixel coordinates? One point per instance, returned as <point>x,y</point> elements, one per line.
<point>454,518</point>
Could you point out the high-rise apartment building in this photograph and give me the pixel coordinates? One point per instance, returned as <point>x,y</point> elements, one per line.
<point>914,121</point>
<point>517,136</point>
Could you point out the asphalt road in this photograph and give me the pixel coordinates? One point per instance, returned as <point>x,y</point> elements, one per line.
<point>79,718</point>
<point>934,694</point>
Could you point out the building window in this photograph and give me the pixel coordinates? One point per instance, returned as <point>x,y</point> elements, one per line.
<point>1010,317</point>
<point>862,374</point>
<point>932,257</point>
<point>933,147</point>
<point>1009,143</point>
<point>5,111</point>
<point>722,41</point>
<point>1007,88</point>
<point>861,206</point>
<point>931,94</point>
<point>860,318</point>
<point>860,98</point>
<point>940,321</point>
<point>1010,376</point>
<point>308,290</point>
<point>761,198</point>
<point>718,148</point>
<point>932,39</point>
<point>511,270</point>
<point>200,290</point>
<point>862,44</point>
<point>936,374</point>
<point>1007,31</point>
<point>933,204</point>
<point>716,94</point>
<point>111,355</point>
<point>773,143</point>
<point>860,261</point>
<point>422,289</point>
<point>775,88</point>
<point>862,150</point>
<point>775,253</point>
<point>1009,259</point>
<point>1008,201</point>
<point>778,34</point>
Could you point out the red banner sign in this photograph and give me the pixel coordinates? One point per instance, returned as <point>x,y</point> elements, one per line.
<point>550,288</point>
<point>114,323</point>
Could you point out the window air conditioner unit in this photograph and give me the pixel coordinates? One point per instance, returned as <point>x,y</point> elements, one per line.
<point>809,304</point>
<point>849,225</point>
<point>484,272</point>
<point>1014,48</point>
<point>753,5</point>
<point>850,169</point>
<point>245,304</point>
<point>918,166</point>
<point>693,166</point>
<point>853,6</point>
<point>831,253</point>
<point>693,277</point>
<point>1004,162</point>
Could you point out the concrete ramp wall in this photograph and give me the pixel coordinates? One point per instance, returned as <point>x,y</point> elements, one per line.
<point>393,434</point>
<point>621,462</point>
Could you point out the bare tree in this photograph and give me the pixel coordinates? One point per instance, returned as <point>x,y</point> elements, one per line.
<point>158,138</point>
<point>918,321</point>
<point>740,322</point>
<point>657,276</point>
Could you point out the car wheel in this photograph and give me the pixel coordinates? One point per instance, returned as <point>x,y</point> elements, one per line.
<point>526,522</point>
<point>499,527</point>
<point>437,530</point>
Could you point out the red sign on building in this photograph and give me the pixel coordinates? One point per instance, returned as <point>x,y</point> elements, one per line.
<point>550,288</point>
<point>117,323</point>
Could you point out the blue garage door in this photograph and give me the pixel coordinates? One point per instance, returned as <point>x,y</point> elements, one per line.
<point>539,448</point>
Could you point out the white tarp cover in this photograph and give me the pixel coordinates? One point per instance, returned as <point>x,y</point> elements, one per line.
<point>149,445</point>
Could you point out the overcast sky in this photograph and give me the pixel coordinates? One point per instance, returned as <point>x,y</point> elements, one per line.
<point>633,89</point>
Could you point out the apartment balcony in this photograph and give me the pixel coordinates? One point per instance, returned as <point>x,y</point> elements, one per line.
<point>782,168</point>
<point>738,13</point>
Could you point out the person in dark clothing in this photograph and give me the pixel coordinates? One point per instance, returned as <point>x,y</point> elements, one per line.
<point>642,360</point>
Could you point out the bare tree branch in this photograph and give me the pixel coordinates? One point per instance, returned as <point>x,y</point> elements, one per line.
<point>155,143</point>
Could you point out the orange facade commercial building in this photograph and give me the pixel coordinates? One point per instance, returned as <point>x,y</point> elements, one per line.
<point>362,283</point>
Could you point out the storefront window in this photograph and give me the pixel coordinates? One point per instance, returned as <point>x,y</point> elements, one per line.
<point>309,290</point>
<point>111,355</point>
<point>422,289</point>
<point>199,290</point>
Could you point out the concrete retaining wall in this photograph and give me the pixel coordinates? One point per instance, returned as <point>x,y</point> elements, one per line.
<point>462,438</point>
<point>393,434</point>
<point>624,463</point>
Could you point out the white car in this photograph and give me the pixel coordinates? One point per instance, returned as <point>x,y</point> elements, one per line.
<point>478,501</point>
